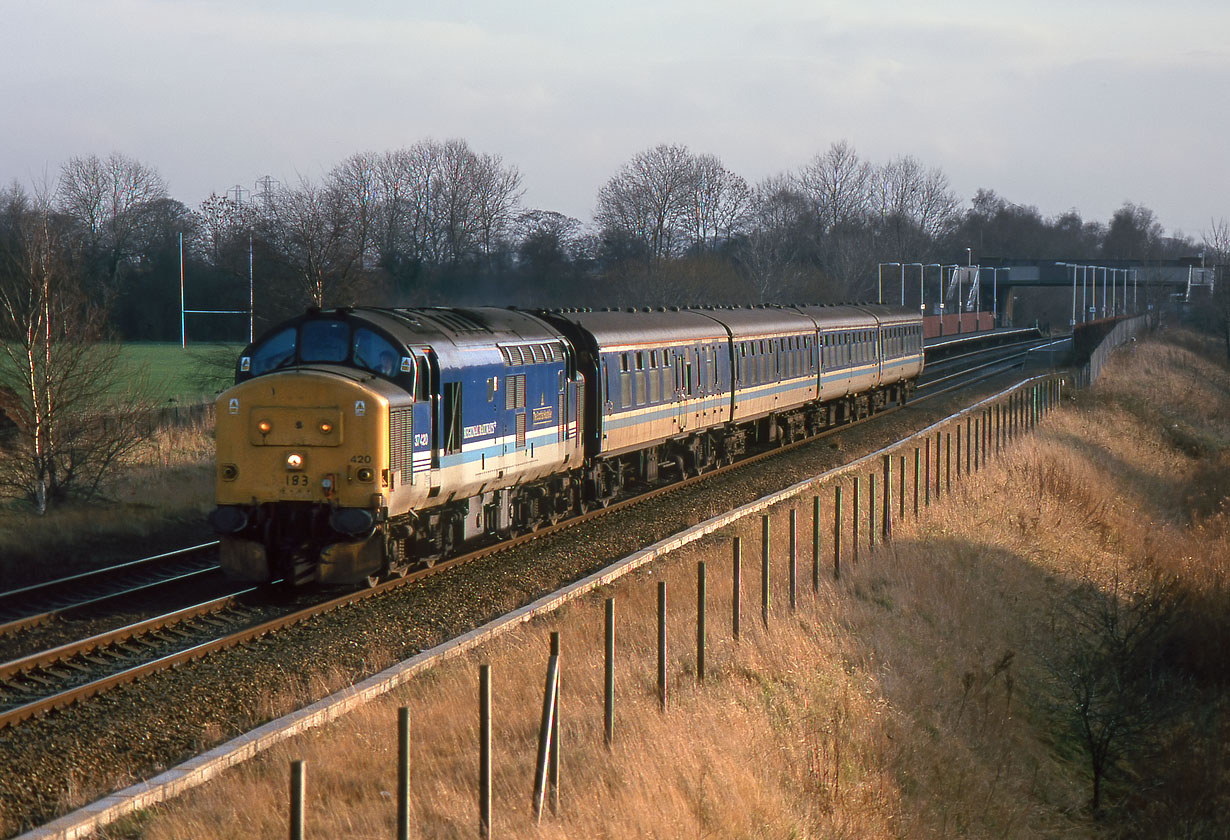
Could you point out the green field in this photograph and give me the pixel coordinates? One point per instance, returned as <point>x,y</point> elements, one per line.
<point>184,375</point>
<point>168,372</point>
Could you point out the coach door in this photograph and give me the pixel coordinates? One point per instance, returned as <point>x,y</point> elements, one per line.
<point>683,365</point>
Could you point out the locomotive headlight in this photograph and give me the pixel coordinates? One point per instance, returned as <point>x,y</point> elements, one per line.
<point>264,427</point>
<point>294,461</point>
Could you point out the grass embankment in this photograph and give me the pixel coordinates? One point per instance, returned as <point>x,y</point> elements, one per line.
<point>154,500</point>
<point>923,694</point>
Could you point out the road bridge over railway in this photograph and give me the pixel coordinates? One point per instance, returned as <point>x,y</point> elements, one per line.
<point>1060,293</point>
<point>1051,294</point>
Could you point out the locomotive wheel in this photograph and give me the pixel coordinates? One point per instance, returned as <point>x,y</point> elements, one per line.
<point>449,540</point>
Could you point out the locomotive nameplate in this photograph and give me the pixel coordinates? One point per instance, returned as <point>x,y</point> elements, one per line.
<point>295,426</point>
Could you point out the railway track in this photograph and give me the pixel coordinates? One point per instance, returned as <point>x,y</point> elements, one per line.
<point>51,679</point>
<point>975,365</point>
<point>40,603</point>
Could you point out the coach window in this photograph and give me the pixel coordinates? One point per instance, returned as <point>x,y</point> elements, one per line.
<point>625,380</point>
<point>276,351</point>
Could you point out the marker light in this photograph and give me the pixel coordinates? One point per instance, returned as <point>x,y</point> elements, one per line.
<point>325,427</point>
<point>264,427</point>
<point>294,461</point>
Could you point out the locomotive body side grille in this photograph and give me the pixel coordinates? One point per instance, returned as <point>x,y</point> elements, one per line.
<point>401,442</point>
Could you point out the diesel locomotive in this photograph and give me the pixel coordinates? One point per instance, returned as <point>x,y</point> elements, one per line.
<point>357,443</point>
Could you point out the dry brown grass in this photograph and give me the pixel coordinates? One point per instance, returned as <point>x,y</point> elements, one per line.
<point>908,699</point>
<point>165,486</point>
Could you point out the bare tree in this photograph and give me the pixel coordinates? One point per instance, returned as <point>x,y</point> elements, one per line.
<point>1107,657</point>
<point>220,222</point>
<point>73,416</point>
<point>355,182</point>
<point>107,198</point>
<point>497,193</point>
<point>648,200</point>
<point>914,206</point>
<point>441,203</point>
<point>308,229</point>
<point>1134,234</point>
<point>718,205</point>
<point>838,185</point>
<point>772,254</point>
<point>1217,251</point>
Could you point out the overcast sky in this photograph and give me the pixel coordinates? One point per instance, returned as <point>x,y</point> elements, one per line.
<point>1059,104</point>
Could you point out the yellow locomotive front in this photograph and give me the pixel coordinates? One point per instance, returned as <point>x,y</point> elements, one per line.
<point>301,457</point>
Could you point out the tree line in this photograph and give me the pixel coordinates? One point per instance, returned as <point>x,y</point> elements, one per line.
<point>440,223</point>
<point>95,255</point>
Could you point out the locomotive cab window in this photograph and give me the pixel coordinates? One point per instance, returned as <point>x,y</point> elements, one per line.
<point>373,352</point>
<point>324,341</point>
<point>276,351</point>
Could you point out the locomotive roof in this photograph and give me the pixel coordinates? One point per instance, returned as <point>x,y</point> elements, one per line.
<point>459,337</point>
<point>463,327</point>
<point>470,336</point>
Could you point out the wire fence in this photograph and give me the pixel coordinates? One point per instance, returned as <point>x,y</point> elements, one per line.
<point>1123,332</point>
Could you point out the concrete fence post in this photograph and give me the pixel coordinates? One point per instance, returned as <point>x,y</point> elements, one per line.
<point>915,483</point>
<point>837,533</point>
<point>886,509</point>
<point>403,773</point>
<point>662,645</point>
<point>608,688</point>
<point>871,510</point>
<point>901,490</point>
<point>298,782</point>
<point>815,544</point>
<point>793,570</point>
<point>854,520</point>
<point>736,575</point>
<point>549,694</point>
<point>484,751</point>
<point>764,570</point>
<point>700,622</point>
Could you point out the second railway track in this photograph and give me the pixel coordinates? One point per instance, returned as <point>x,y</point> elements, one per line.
<point>45,680</point>
<point>180,712</point>
<point>39,603</point>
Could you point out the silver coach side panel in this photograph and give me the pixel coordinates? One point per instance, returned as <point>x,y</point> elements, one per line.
<point>660,375</point>
<point>848,365</point>
<point>773,359</point>
<point>900,343</point>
